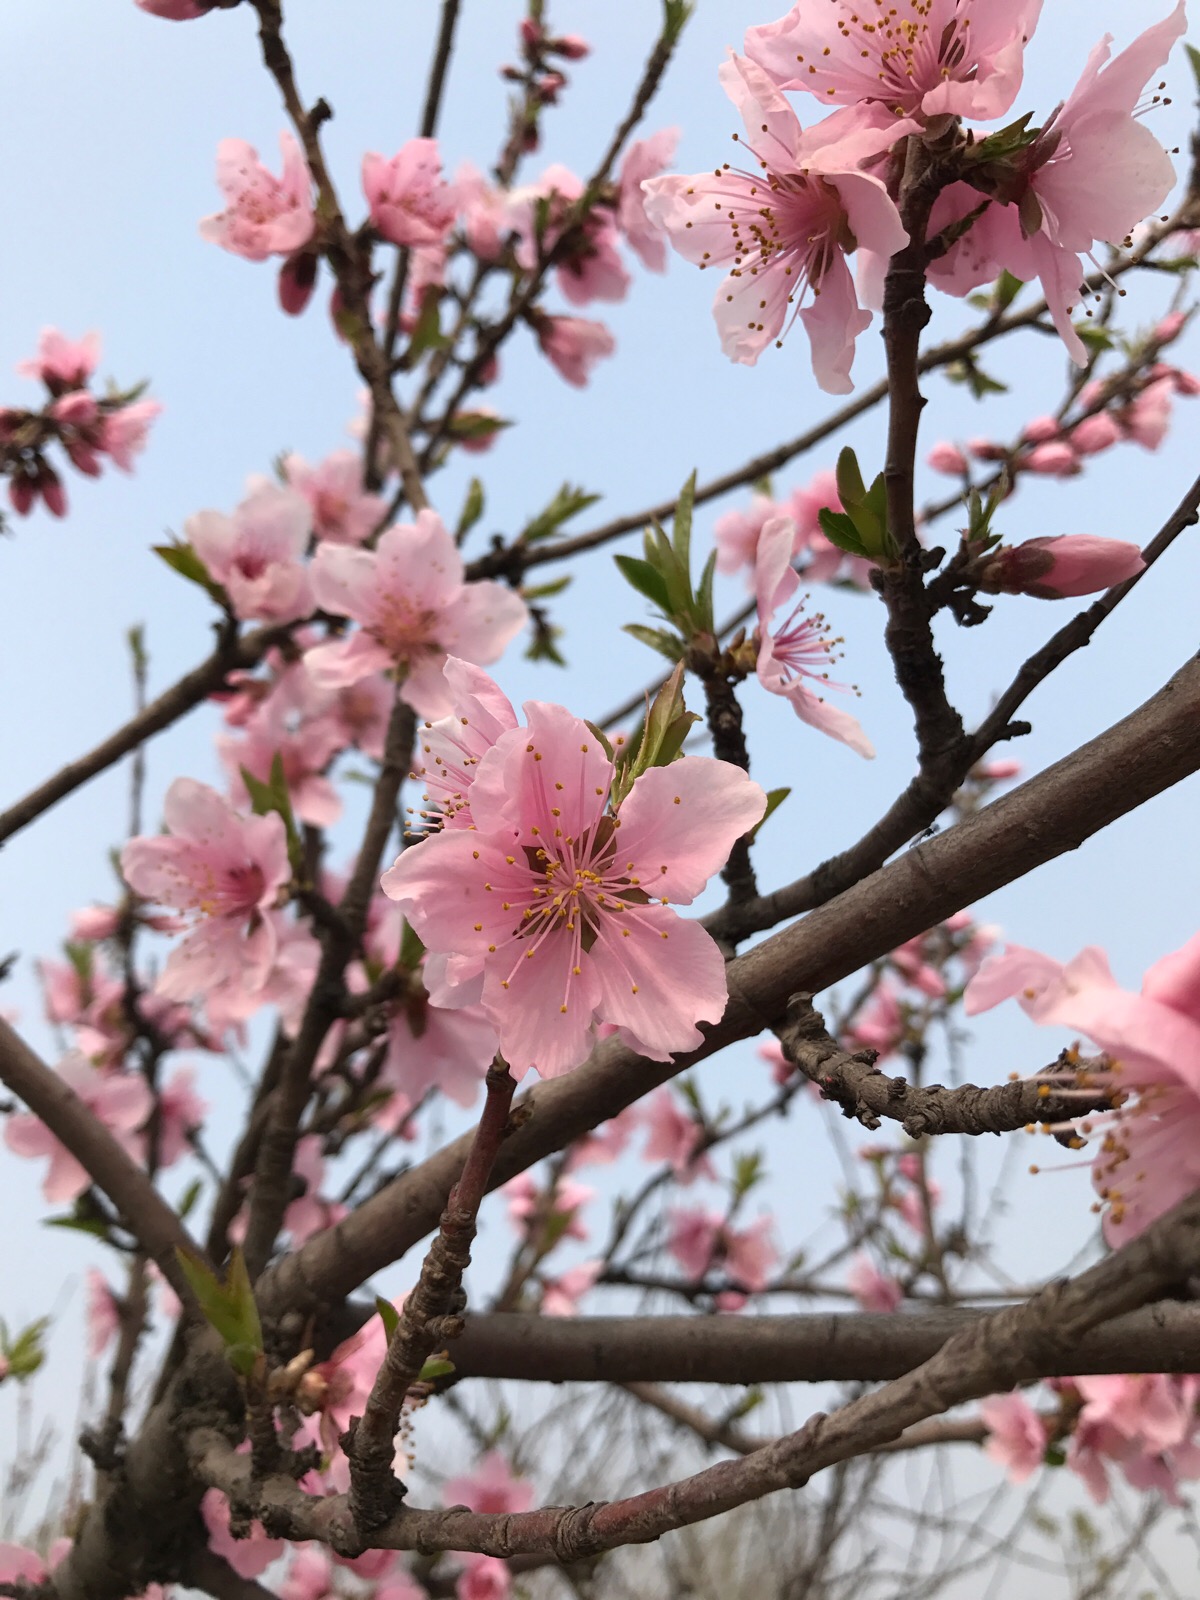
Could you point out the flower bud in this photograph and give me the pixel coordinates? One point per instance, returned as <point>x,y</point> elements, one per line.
<point>1055,459</point>
<point>297,280</point>
<point>947,457</point>
<point>1059,566</point>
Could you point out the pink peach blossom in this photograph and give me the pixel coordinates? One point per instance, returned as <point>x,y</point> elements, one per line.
<point>264,215</point>
<point>1017,1436</point>
<point>256,554</point>
<point>17,1564</point>
<point>305,747</point>
<point>484,211</point>
<point>594,269</point>
<point>123,432</point>
<point>1053,460</point>
<point>492,1487</point>
<point>699,1239</point>
<point>527,1205</point>
<point>873,1290</point>
<point>61,363</point>
<point>674,1137</point>
<point>573,345</point>
<point>180,1111</point>
<point>415,608</point>
<point>410,204</point>
<point>227,868</point>
<point>645,158</point>
<point>736,533</point>
<point>1094,434</point>
<point>561,1295</point>
<point>451,749</point>
<point>559,905</point>
<point>958,57</point>
<point>343,512</point>
<point>483,1578</point>
<point>249,1557</point>
<point>1149,1152</point>
<point>430,1047</point>
<point>782,227</point>
<point>801,648</point>
<point>102,1313</point>
<point>120,1101</point>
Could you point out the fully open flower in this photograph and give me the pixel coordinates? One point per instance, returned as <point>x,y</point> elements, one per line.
<point>343,512</point>
<point>415,608</point>
<point>784,229</point>
<point>572,345</point>
<point>227,868</point>
<point>561,907</point>
<point>410,204</point>
<point>62,364</point>
<point>1017,1436</point>
<point>264,215</point>
<point>1149,1150</point>
<point>915,58</point>
<point>120,1101</point>
<point>255,554</point>
<point>644,159</point>
<point>801,649</point>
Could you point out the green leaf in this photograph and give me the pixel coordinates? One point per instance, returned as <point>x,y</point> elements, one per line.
<point>852,491</point>
<point>475,425</point>
<point>646,579</point>
<point>704,596</point>
<point>136,639</point>
<point>190,1195</point>
<point>26,1351</point>
<point>181,558</point>
<point>840,530</point>
<point>661,555</point>
<point>567,503</point>
<point>273,796</point>
<point>436,1367</point>
<point>388,1315</point>
<point>1193,56</point>
<point>96,1226</point>
<point>411,949</point>
<point>1094,336</point>
<point>544,591</point>
<point>681,532</point>
<point>427,335</point>
<point>1006,290</point>
<point>543,646</point>
<point>669,645</point>
<point>775,798</point>
<point>228,1305</point>
<point>747,1171</point>
<point>472,508</point>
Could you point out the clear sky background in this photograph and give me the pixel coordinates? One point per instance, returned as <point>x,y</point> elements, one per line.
<point>109,122</point>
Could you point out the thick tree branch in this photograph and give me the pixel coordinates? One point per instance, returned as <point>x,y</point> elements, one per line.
<point>142,1209</point>
<point>1139,757</point>
<point>997,1352</point>
<point>818,1347</point>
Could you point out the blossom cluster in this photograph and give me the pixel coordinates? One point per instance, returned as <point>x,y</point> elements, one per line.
<point>89,428</point>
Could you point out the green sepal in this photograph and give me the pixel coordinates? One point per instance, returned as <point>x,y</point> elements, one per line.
<point>545,591</point>
<point>388,1315</point>
<point>436,1367</point>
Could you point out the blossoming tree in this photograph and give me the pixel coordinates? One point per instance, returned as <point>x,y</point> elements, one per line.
<point>401,895</point>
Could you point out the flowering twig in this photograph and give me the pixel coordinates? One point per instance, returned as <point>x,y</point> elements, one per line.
<point>1111,775</point>
<point>428,1317</point>
<point>142,1209</point>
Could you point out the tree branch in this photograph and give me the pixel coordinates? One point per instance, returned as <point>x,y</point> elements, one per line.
<point>142,1209</point>
<point>1137,758</point>
<point>818,1347</point>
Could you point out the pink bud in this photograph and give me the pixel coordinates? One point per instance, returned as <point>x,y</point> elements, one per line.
<point>174,10</point>
<point>947,457</point>
<point>1171,326</point>
<point>995,771</point>
<point>1055,460</point>
<point>22,493</point>
<point>1185,382</point>
<point>297,280</point>
<point>571,46</point>
<point>83,457</point>
<point>1041,430</point>
<point>1094,434</point>
<point>533,35</point>
<point>1060,566</point>
<point>548,86</point>
<point>52,491</point>
<point>78,409</point>
<point>986,450</point>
